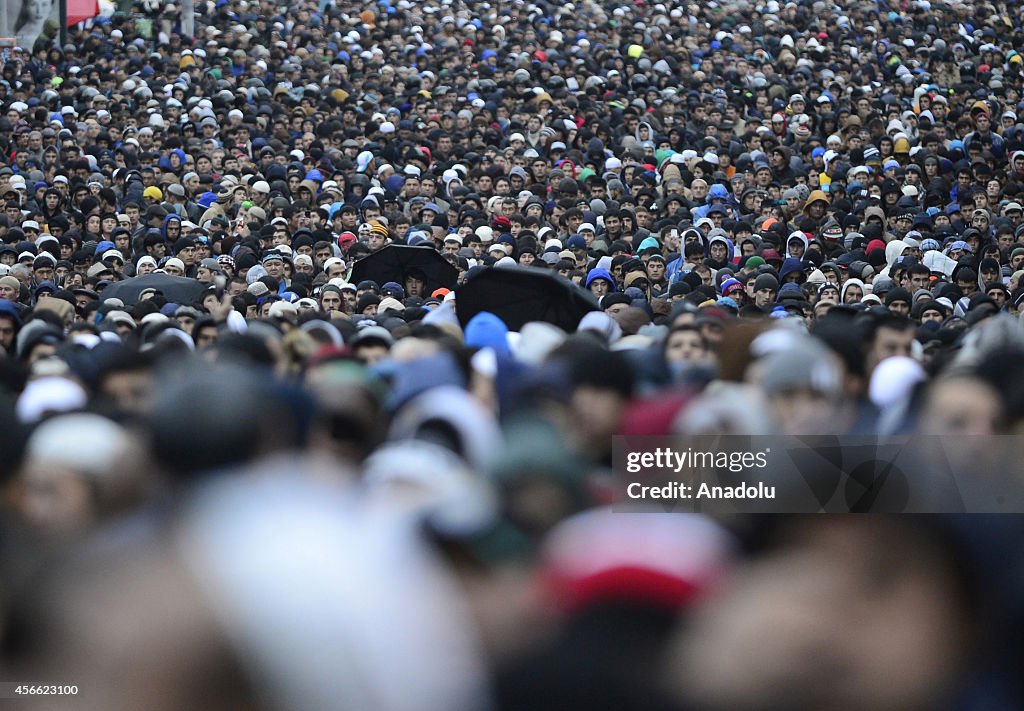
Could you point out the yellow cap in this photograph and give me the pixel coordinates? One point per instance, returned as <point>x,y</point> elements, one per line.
<point>635,51</point>
<point>153,193</point>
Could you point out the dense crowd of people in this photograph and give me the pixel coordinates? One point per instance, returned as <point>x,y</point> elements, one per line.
<point>266,444</point>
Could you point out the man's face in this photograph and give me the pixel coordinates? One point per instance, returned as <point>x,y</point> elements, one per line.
<point>274,267</point>
<point>205,336</point>
<point>187,255</point>
<point>890,342</point>
<point>931,315</point>
<point>330,301</point>
<point>7,332</point>
<point>656,270</point>
<point>919,281</point>
<point>685,346</point>
<point>764,297</point>
<point>414,286</point>
<point>901,308</point>
<point>719,252</point>
<point>8,293</point>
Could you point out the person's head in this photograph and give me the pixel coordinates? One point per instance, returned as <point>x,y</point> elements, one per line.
<point>919,276</point>
<point>372,345</point>
<point>76,466</point>
<point>600,285</point>
<point>853,291</point>
<point>175,267</point>
<point>898,301</point>
<point>9,324</point>
<point>205,333</point>
<point>961,405</point>
<point>796,246</point>
<point>719,251</point>
<point>602,383</point>
<point>33,12</point>
<point>10,288</point>
<point>990,272</point>
<point>415,284</point>
<point>274,264</point>
<point>891,335</point>
<point>685,344</point>
<point>331,299</point>
<point>766,287</point>
<point>967,281</point>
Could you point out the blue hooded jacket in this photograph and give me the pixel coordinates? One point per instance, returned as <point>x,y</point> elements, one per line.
<point>163,227</point>
<point>789,266</point>
<point>716,192</point>
<point>599,274</point>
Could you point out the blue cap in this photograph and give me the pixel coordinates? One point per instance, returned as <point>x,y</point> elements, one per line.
<point>577,242</point>
<point>393,289</point>
<point>104,246</point>
<point>817,152</point>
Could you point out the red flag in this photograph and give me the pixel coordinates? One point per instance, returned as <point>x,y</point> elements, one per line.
<point>82,10</point>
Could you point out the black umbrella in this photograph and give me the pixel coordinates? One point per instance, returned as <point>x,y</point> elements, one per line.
<point>518,295</point>
<point>396,262</point>
<point>178,290</point>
